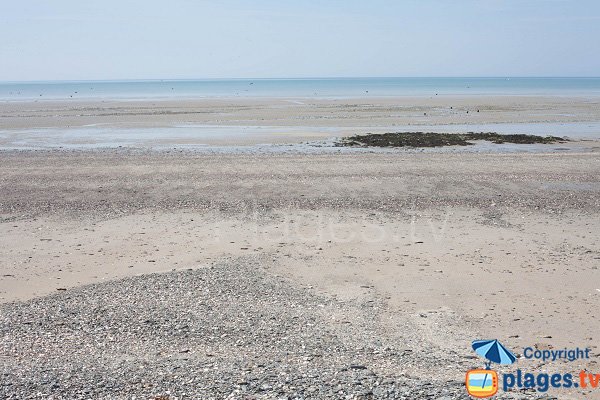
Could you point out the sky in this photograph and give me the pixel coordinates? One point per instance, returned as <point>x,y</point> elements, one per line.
<point>196,39</point>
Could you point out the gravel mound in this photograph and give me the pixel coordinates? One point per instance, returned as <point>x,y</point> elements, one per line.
<point>228,331</point>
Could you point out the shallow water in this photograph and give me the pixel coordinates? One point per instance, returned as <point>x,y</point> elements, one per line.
<point>189,136</point>
<point>198,136</point>
<point>220,139</point>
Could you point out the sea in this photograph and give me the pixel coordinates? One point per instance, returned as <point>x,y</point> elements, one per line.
<point>302,88</point>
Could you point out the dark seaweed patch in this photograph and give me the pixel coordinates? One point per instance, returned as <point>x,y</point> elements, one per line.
<point>431,139</point>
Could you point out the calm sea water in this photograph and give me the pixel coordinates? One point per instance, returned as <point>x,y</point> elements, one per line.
<point>326,87</point>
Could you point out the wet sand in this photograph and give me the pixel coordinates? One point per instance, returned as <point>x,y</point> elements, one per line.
<point>342,115</point>
<point>280,125</point>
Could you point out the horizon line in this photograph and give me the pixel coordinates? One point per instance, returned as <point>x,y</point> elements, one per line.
<point>32,81</point>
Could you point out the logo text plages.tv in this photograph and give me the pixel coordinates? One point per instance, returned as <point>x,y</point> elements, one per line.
<point>483,383</point>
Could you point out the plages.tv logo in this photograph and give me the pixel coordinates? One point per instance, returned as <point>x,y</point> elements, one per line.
<point>482,383</point>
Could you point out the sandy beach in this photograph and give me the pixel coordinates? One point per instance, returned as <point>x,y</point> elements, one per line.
<point>371,271</point>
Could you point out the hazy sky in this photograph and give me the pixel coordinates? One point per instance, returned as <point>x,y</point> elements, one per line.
<point>142,39</point>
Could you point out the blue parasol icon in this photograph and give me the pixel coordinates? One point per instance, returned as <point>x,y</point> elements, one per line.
<point>494,351</point>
